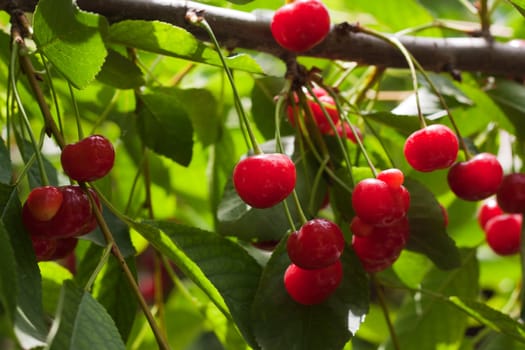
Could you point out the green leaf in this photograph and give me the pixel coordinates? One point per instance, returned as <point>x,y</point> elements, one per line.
<point>405,124</point>
<point>8,283</point>
<point>120,72</point>
<point>204,116</point>
<point>426,322</point>
<point>498,341</point>
<point>490,317</point>
<point>224,271</point>
<point>165,127</point>
<point>113,291</point>
<point>165,39</point>
<point>6,171</point>
<point>53,276</point>
<point>81,323</point>
<point>238,219</point>
<point>35,179</point>
<point>427,228</point>
<point>519,5</point>
<point>71,39</point>
<point>29,320</point>
<point>509,96</point>
<point>282,324</point>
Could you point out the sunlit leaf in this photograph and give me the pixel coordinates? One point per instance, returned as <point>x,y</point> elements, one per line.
<point>71,39</point>
<point>165,39</point>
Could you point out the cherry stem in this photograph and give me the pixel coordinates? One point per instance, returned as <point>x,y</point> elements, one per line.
<point>25,119</point>
<point>161,341</point>
<point>394,41</point>
<point>77,113</point>
<point>105,113</point>
<point>382,302</point>
<point>101,263</point>
<point>484,16</point>
<point>373,75</point>
<point>53,93</point>
<point>199,20</point>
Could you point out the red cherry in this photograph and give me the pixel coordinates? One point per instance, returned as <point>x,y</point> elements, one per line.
<point>431,148</point>
<point>74,218</point>
<point>511,193</point>
<point>320,119</point>
<point>394,178</point>
<point>344,130</point>
<point>44,202</point>
<point>317,244</point>
<point>377,204</point>
<point>503,233</point>
<point>488,210</point>
<point>89,159</point>
<point>300,25</point>
<point>44,248</point>
<point>382,247</point>
<point>64,247</point>
<point>476,178</point>
<point>360,228</point>
<point>264,180</point>
<point>309,287</point>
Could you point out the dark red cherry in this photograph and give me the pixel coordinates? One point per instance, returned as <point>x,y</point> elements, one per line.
<point>89,159</point>
<point>264,180</point>
<point>317,244</point>
<point>511,193</point>
<point>43,248</point>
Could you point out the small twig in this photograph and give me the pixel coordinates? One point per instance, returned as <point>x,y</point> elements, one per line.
<point>382,302</point>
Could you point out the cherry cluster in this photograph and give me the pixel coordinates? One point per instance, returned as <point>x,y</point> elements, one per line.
<point>323,124</point>
<point>56,216</point>
<point>380,228</point>
<point>501,218</point>
<point>315,271</point>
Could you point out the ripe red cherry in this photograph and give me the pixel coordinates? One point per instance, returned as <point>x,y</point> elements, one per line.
<point>44,202</point>
<point>476,178</point>
<point>74,217</point>
<point>382,247</point>
<point>89,159</point>
<point>44,248</point>
<point>320,119</point>
<point>488,210</point>
<point>431,148</point>
<point>317,244</point>
<point>377,204</point>
<point>344,130</point>
<point>360,228</point>
<point>511,193</point>
<point>503,233</point>
<point>64,247</point>
<point>309,287</point>
<point>300,25</point>
<point>264,180</point>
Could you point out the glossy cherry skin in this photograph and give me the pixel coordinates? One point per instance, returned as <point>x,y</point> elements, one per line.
<point>378,204</point>
<point>317,244</point>
<point>44,202</point>
<point>300,25</point>
<point>511,193</point>
<point>382,247</point>
<point>309,287</point>
<point>264,180</point>
<point>488,210</point>
<point>503,233</point>
<point>431,148</point>
<point>477,178</point>
<point>74,218</point>
<point>319,118</point>
<point>89,159</point>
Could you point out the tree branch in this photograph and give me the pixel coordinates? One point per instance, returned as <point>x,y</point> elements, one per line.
<point>237,29</point>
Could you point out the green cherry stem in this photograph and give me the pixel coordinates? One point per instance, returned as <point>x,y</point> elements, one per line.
<point>101,263</point>
<point>25,119</point>
<point>199,20</point>
<point>53,93</point>
<point>77,113</point>
<point>382,302</point>
<point>394,41</point>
